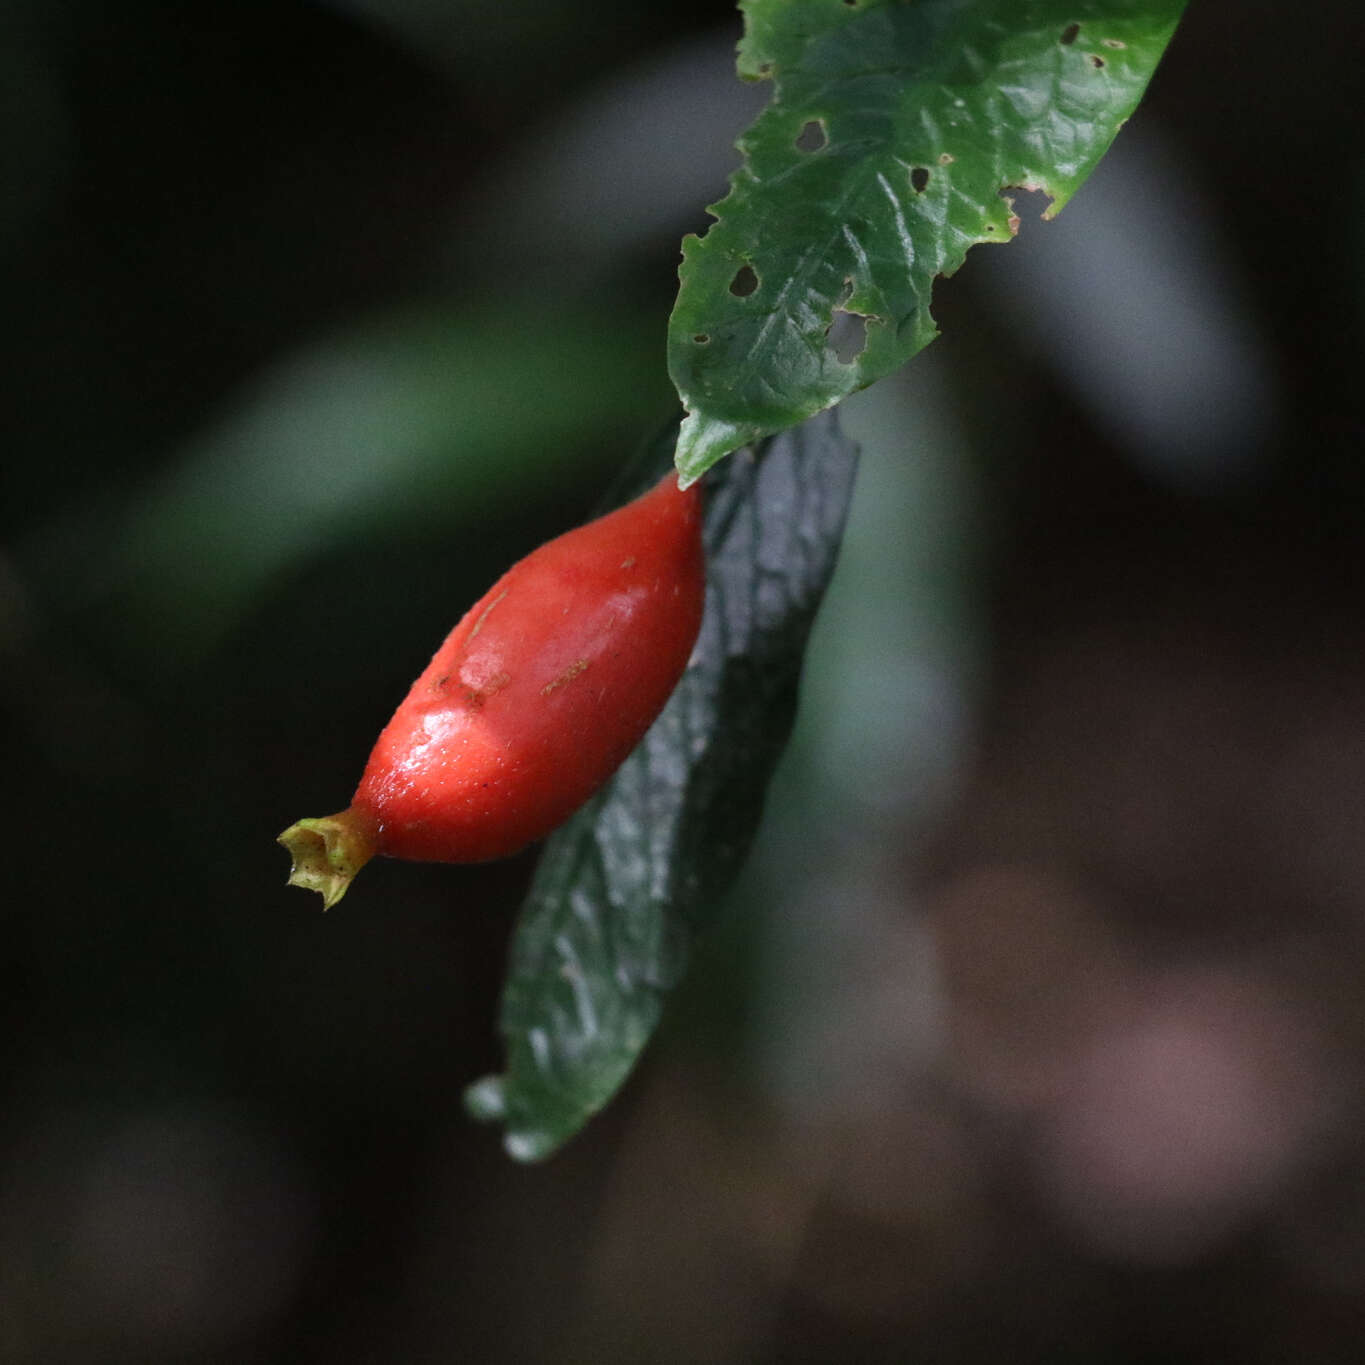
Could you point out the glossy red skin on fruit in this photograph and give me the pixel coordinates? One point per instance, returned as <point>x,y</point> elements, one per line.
<point>543,688</point>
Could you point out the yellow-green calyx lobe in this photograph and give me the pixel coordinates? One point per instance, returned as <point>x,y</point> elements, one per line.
<point>329,851</point>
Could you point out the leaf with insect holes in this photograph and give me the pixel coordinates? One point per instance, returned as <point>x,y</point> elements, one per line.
<point>624,887</point>
<point>893,128</point>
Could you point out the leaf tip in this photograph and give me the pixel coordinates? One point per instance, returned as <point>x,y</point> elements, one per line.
<point>486,1100</point>
<point>702,441</point>
<point>528,1145</point>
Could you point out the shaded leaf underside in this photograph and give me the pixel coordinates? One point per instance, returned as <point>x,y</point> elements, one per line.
<point>893,128</point>
<point>623,888</point>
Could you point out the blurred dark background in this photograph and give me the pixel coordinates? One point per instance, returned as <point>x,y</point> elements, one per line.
<point>1035,1030</point>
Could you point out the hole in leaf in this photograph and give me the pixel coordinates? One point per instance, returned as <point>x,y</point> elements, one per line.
<point>1070,33</point>
<point>919,179</point>
<point>1097,62</point>
<point>847,333</point>
<point>811,137</point>
<point>1027,201</point>
<point>701,338</point>
<point>744,283</point>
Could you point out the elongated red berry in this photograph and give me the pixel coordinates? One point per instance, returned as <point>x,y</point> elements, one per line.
<point>532,702</point>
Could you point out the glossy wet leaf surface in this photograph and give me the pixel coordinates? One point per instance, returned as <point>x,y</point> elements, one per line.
<point>893,128</point>
<point>624,887</point>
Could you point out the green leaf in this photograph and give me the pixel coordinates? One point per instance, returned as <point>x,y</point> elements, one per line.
<point>624,887</point>
<point>893,129</point>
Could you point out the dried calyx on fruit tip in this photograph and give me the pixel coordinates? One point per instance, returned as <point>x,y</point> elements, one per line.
<point>329,851</point>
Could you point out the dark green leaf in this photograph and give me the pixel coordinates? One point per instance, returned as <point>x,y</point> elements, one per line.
<point>624,887</point>
<point>893,128</point>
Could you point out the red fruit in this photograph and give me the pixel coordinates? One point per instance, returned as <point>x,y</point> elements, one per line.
<point>532,702</point>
